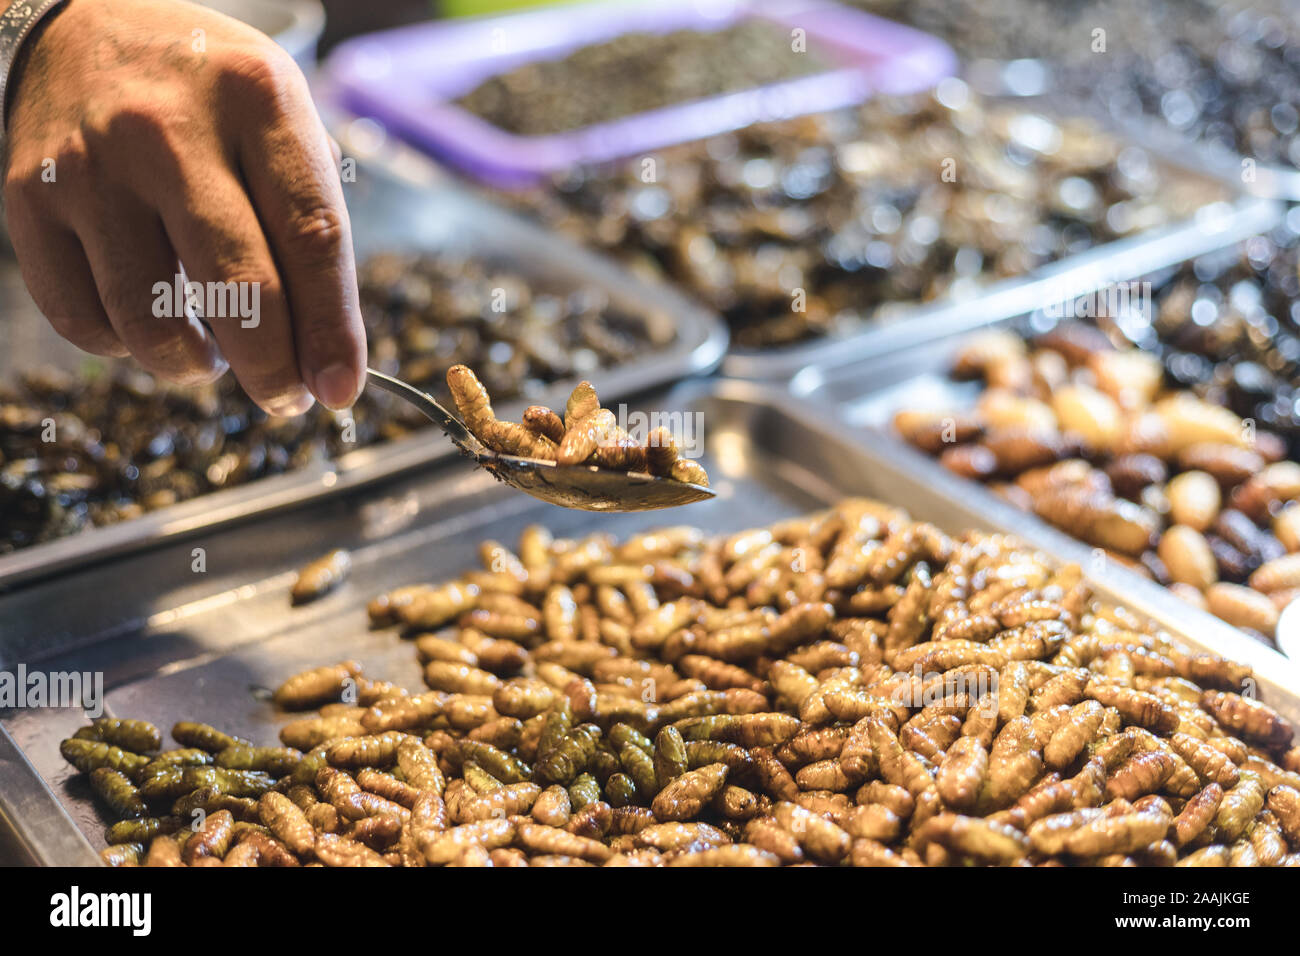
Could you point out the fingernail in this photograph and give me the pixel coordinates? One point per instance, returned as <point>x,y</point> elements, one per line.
<point>212,374</point>
<point>289,404</point>
<point>337,386</point>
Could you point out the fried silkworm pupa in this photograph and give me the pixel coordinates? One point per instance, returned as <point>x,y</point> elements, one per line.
<point>471,400</point>
<point>538,839</point>
<point>1284,803</point>
<point>962,773</point>
<point>374,750</point>
<point>620,790</point>
<point>277,761</point>
<point>142,830</point>
<point>388,786</point>
<point>209,801</point>
<point>138,736</point>
<point>509,800</point>
<point>90,755</point>
<point>1248,718</point>
<point>540,420</point>
<point>212,839</point>
<point>666,837</point>
<point>872,853</point>
<point>1141,774</point>
<point>234,783</point>
<point>691,472</point>
<point>975,837</point>
<point>822,840</point>
<point>317,686</point>
<point>118,793</point>
<point>334,850</point>
<point>122,854</point>
<point>443,847</point>
<point>189,733</point>
<point>1136,706</point>
<point>685,796</point>
<point>287,821</point>
<point>1240,806</point>
<point>553,807</point>
<point>736,854</point>
<point>164,851</point>
<point>321,576</point>
<point>766,834</point>
<point>182,757</point>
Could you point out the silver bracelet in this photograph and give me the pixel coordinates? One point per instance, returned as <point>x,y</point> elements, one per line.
<point>16,25</point>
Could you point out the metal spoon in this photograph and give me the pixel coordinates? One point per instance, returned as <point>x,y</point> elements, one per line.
<point>584,487</point>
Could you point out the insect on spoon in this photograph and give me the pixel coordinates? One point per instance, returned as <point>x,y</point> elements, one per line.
<point>584,487</point>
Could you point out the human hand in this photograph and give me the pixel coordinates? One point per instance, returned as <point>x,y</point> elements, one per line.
<point>146,131</point>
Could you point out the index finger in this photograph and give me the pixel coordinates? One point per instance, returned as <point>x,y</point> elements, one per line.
<point>286,159</point>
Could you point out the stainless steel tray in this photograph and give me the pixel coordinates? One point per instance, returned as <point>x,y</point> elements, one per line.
<point>402,202</point>
<point>172,644</point>
<point>858,377</point>
<point>1035,80</point>
<point>1269,181</point>
<point>1212,227</point>
<point>1244,212</point>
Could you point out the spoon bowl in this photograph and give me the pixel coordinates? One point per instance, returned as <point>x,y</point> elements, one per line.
<point>584,487</point>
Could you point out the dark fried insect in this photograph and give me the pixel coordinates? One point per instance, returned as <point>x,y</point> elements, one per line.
<point>118,793</point>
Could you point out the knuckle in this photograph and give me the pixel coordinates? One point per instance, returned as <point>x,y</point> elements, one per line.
<point>161,347</point>
<point>68,326</point>
<point>262,71</point>
<point>133,319</point>
<point>243,271</point>
<point>317,233</point>
<point>86,334</point>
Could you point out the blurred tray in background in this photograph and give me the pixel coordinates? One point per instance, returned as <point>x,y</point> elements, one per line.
<point>849,369</point>
<point>831,231</point>
<point>408,79</point>
<point>1213,82</point>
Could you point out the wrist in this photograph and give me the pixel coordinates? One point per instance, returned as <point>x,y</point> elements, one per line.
<point>21,23</point>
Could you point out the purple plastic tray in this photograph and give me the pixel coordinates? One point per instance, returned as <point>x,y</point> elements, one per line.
<point>407,78</point>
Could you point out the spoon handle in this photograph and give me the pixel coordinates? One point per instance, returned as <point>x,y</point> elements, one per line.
<point>426,404</point>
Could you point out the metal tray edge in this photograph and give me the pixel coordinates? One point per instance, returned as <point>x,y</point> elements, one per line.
<point>1212,227</point>
<point>1115,262</point>
<point>35,822</point>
